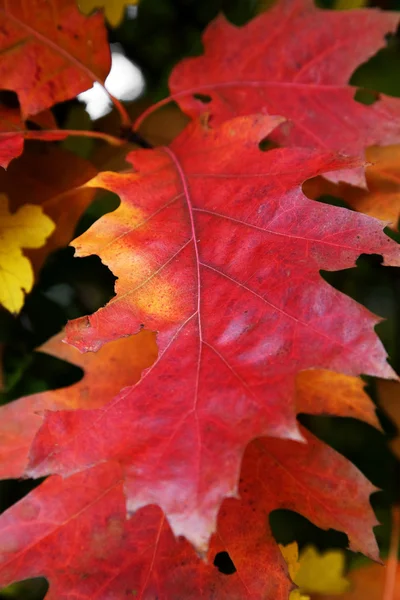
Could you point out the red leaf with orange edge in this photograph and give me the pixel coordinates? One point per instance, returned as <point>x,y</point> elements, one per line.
<point>264,67</point>
<point>115,366</point>
<point>216,248</point>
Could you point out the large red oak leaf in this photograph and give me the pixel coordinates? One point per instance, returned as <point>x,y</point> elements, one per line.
<point>106,556</point>
<point>214,246</point>
<point>50,52</point>
<point>294,60</point>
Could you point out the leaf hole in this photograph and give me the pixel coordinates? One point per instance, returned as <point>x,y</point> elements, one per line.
<point>14,490</point>
<point>366,97</point>
<point>28,589</point>
<point>224,563</point>
<point>204,98</point>
<point>9,99</point>
<point>267,144</point>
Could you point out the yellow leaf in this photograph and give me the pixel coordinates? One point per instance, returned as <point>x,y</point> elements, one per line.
<point>347,4</point>
<point>291,555</point>
<point>27,228</point>
<point>322,573</point>
<point>313,572</point>
<point>113,9</point>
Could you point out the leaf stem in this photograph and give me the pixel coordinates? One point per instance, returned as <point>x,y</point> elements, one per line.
<point>150,110</point>
<point>53,135</point>
<point>126,121</point>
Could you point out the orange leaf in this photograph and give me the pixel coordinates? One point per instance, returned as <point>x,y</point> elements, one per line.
<point>367,583</point>
<point>116,365</point>
<point>382,198</point>
<point>326,393</point>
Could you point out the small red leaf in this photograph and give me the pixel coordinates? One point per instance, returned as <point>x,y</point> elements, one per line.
<point>294,60</point>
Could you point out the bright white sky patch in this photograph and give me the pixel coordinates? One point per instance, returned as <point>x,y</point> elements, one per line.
<point>125,81</point>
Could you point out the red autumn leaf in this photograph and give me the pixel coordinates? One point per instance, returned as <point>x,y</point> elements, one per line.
<point>50,52</point>
<point>116,365</point>
<point>119,364</point>
<point>13,131</point>
<point>264,67</point>
<point>215,247</point>
<point>11,138</point>
<point>110,369</point>
<point>84,516</point>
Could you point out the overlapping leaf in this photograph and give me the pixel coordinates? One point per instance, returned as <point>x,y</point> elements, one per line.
<point>13,131</point>
<point>325,393</point>
<point>116,365</point>
<point>110,557</point>
<point>177,569</point>
<point>264,67</point>
<point>11,137</point>
<point>51,178</point>
<point>315,572</point>
<point>50,52</point>
<point>382,198</point>
<point>216,248</point>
